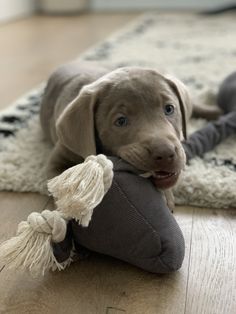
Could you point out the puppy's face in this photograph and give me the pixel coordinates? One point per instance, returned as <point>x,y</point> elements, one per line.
<point>137,114</point>
<point>139,119</point>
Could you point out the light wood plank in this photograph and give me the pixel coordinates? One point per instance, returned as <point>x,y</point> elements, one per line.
<point>99,284</point>
<point>15,207</point>
<point>212,277</point>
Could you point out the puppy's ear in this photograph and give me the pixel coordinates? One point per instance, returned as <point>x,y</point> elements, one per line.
<point>186,106</point>
<point>76,128</point>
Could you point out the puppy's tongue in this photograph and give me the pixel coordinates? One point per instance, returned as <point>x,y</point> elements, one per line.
<point>164,179</point>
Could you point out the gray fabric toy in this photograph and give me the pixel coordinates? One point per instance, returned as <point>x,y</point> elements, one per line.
<point>131,223</point>
<point>215,132</point>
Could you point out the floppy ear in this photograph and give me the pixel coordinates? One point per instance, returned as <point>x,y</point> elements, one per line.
<point>186,106</point>
<point>76,128</point>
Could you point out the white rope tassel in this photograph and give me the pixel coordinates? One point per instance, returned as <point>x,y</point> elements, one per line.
<point>79,189</point>
<point>31,248</point>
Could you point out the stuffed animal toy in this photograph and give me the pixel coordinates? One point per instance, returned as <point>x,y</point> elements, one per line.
<point>105,205</point>
<point>205,139</point>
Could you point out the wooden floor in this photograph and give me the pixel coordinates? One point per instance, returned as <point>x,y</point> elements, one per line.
<point>206,283</point>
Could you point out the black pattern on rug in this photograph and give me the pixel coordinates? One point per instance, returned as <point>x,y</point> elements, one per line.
<point>14,119</point>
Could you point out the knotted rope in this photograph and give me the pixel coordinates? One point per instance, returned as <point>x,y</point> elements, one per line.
<point>77,191</point>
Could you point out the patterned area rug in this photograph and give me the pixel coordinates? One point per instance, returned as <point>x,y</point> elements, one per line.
<point>199,50</point>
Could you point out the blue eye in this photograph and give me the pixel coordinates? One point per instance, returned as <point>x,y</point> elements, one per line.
<point>169,109</point>
<point>121,121</point>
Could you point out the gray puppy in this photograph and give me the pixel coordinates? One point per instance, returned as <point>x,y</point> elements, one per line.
<point>135,113</point>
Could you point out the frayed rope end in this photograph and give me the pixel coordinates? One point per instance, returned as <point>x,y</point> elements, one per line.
<point>31,248</point>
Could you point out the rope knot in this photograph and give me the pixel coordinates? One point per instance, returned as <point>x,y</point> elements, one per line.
<point>107,167</point>
<point>49,222</point>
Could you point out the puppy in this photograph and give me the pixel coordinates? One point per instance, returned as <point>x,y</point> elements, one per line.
<point>135,113</point>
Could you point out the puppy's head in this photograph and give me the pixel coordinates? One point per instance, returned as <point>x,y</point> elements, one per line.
<point>137,114</point>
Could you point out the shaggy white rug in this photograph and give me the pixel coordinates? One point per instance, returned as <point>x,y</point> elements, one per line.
<point>199,50</point>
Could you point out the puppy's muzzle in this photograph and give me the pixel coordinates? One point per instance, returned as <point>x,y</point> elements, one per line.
<point>167,163</point>
<point>162,159</point>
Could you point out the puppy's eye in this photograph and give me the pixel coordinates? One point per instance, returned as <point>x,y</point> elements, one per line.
<point>121,121</point>
<point>169,109</point>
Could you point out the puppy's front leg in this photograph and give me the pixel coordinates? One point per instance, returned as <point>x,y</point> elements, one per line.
<point>60,160</point>
<point>170,200</point>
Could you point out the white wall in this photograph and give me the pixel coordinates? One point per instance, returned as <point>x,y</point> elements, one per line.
<point>123,5</point>
<point>11,9</point>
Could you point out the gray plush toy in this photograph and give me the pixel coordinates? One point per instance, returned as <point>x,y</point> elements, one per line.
<point>104,205</point>
<point>132,223</point>
<point>215,132</point>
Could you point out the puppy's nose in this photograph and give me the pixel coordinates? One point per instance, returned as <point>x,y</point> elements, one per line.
<point>165,154</point>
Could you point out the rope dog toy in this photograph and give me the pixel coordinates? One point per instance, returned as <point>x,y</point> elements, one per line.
<point>77,191</point>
